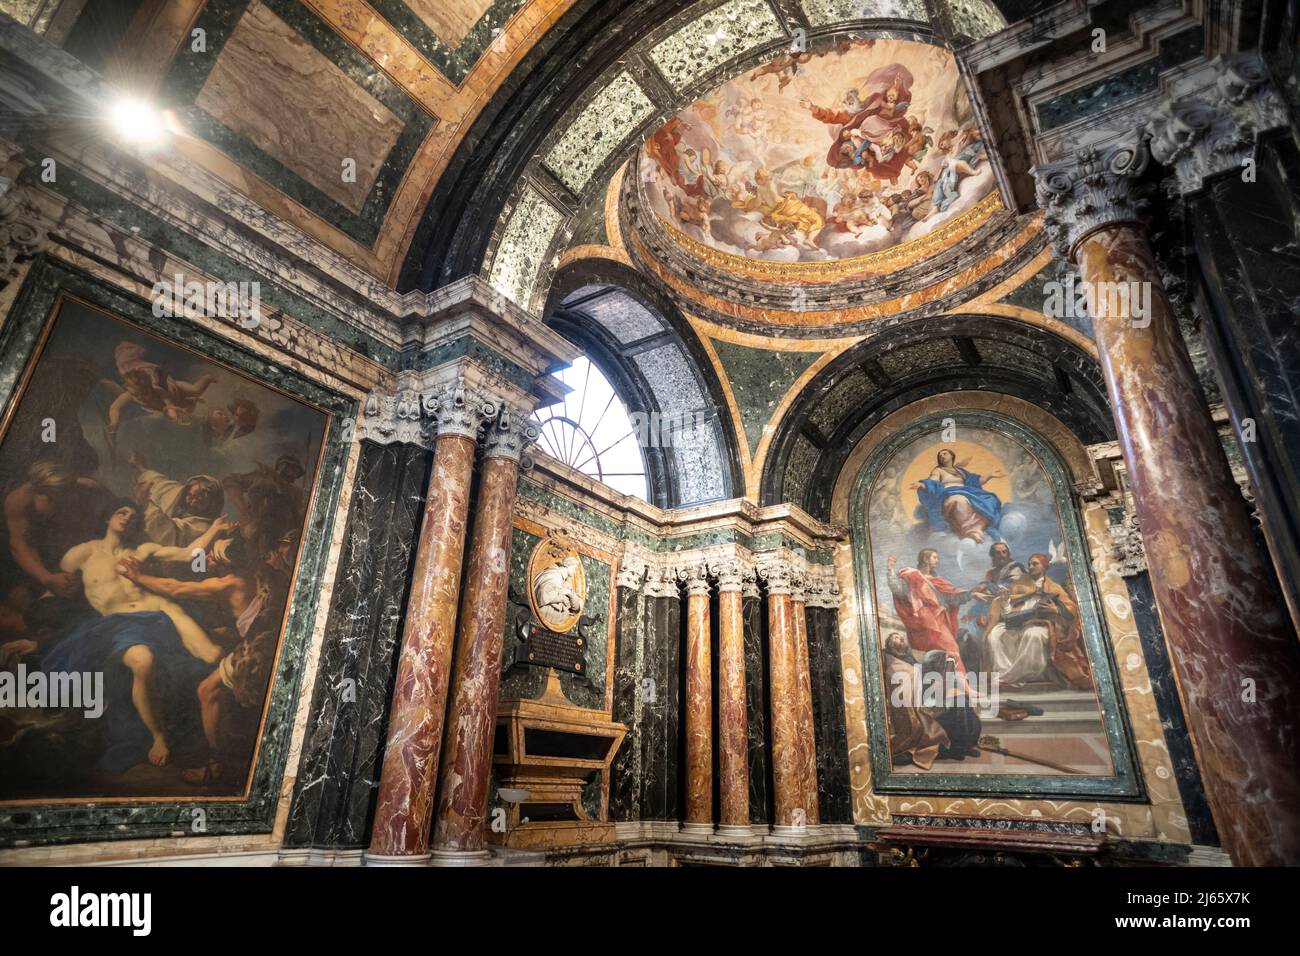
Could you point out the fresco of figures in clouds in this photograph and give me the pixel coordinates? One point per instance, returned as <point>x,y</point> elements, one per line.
<point>973,584</point>
<point>824,155</point>
<point>154,504</point>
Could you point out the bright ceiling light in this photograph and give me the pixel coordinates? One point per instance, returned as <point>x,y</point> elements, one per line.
<point>136,121</point>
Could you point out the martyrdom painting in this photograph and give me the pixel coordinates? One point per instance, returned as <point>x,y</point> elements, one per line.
<point>986,640</point>
<point>154,503</point>
<point>821,156</point>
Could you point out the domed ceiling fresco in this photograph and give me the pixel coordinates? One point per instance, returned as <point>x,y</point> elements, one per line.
<point>838,155</point>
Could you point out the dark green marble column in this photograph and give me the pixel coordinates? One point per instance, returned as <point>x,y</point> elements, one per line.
<point>625,773</point>
<point>754,623</point>
<point>660,686</point>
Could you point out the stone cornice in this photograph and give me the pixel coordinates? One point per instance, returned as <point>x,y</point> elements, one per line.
<point>471,306</point>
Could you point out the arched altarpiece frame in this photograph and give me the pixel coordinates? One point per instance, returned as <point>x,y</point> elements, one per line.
<point>1124,783</point>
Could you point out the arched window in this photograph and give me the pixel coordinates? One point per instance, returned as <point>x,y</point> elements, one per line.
<point>591,432</point>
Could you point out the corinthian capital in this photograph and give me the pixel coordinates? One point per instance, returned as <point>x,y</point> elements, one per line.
<point>462,409</point>
<point>1093,190</point>
<point>730,575</point>
<point>402,416</point>
<point>629,576</point>
<point>695,577</point>
<point>508,435</point>
<point>779,575</point>
<point>1213,129</point>
<point>660,583</point>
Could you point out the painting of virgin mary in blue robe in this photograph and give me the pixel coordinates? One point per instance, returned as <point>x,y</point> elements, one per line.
<point>954,499</point>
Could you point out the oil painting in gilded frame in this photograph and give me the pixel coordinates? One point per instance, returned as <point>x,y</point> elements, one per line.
<point>165,508</point>
<point>988,669</point>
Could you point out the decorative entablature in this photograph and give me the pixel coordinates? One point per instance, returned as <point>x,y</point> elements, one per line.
<point>657,547</point>
<point>664,71</point>
<point>1080,74</point>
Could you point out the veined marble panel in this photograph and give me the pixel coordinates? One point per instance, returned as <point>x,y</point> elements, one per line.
<point>450,20</point>
<point>823,13</point>
<point>612,115</point>
<point>274,88</point>
<point>519,258</point>
<point>722,34</point>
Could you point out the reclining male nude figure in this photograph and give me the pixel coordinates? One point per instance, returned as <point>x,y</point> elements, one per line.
<point>130,625</point>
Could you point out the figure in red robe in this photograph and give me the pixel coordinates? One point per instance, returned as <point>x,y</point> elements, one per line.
<point>927,605</point>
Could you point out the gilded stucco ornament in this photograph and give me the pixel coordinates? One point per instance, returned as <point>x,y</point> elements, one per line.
<point>1096,189</point>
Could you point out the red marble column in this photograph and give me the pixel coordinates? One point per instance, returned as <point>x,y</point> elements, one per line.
<point>403,814</point>
<point>789,797</point>
<point>1235,656</point>
<point>462,803</point>
<point>806,736</point>
<point>699,702</point>
<point>733,723</point>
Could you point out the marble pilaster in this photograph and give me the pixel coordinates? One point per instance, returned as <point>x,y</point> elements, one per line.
<point>699,700</point>
<point>755,697</point>
<point>733,734</point>
<point>1223,134</point>
<point>467,763</point>
<point>1235,656</point>
<point>660,698</point>
<point>624,795</point>
<point>830,733</point>
<point>343,748</point>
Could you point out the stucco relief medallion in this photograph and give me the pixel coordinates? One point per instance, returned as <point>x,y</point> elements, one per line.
<point>557,584</point>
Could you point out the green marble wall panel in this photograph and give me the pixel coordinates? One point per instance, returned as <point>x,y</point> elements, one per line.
<point>759,380</point>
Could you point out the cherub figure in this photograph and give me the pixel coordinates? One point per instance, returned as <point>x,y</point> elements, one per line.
<point>152,388</point>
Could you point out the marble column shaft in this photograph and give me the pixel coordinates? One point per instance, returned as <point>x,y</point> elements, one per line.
<point>807,732</point>
<point>699,700</point>
<point>789,795</point>
<point>733,732</point>
<point>753,623</point>
<point>467,764</point>
<point>1235,655</point>
<point>406,786</point>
